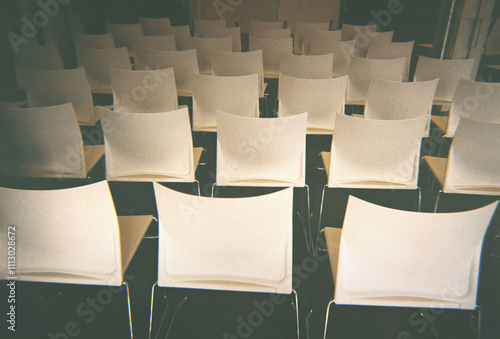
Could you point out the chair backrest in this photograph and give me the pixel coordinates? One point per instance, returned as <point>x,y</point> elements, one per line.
<point>350,31</point>
<point>314,34</point>
<point>307,66</point>
<point>68,235</point>
<point>362,71</point>
<point>449,72</point>
<point>256,28</point>
<point>301,27</point>
<point>261,152</point>
<point>148,91</point>
<point>474,100</point>
<point>271,52</point>
<point>391,100</point>
<point>341,50</point>
<point>124,35</point>
<point>162,43</point>
<point>392,50</point>
<point>43,142</point>
<point>204,48</point>
<point>233,32</point>
<point>94,40</point>
<point>148,146</point>
<point>364,39</point>
<point>201,25</point>
<point>376,153</point>
<point>415,259</point>
<point>184,64</point>
<point>273,33</point>
<point>234,64</point>
<point>236,94</point>
<point>182,36</point>
<point>199,246</point>
<point>322,99</point>
<point>36,57</point>
<point>97,63</point>
<point>473,159</point>
<point>155,26</point>
<point>57,87</point>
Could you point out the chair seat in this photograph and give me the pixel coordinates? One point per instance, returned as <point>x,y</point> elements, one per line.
<point>92,154</point>
<point>271,75</point>
<point>440,121</point>
<point>438,167</point>
<point>132,230</point>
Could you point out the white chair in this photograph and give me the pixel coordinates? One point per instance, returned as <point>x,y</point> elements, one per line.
<point>149,146</point>
<point>272,33</point>
<point>301,27</point>
<point>94,40</point>
<point>472,164</point>
<point>124,35</point>
<point>182,36</point>
<point>204,47</point>
<point>322,99</point>
<point>341,50</point>
<point>155,26</point>
<point>236,94</point>
<point>261,152</point>
<point>148,91</point>
<point>162,43</point>
<point>272,49</point>
<point>449,72</point>
<point>184,64</point>
<point>391,100</point>
<point>97,63</point>
<point>49,88</point>
<point>203,250</point>
<point>362,71</point>
<point>256,28</point>
<point>314,34</point>
<point>418,260</point>
<point>307,66</point>
<point>374,153</point>
<point>390,50</point>
<point>202,24</point>
<point>231,32</point>
<point>235,64</point>
<point>472,100</point>
<point>350,31</point>
<point>364,39</point>
<point>70,236</point>
<point>46,142</point>
<point>36,57</point>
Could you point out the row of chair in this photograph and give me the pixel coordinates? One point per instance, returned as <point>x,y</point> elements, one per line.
<point>210,247</point>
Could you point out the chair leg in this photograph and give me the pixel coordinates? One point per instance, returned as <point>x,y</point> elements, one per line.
<point>437,201</point>
<point>327,316</point>
<point>151,308</point>
<point>198,187</point>
<point>319,221</point>
<point>479,322</point>
<point>213,189</point>
<point>127,288</point>
<point>296,300</point>
<point>309,235</point>
<point>419,204</point>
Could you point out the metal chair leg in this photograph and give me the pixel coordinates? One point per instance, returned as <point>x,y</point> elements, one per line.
<point>319,220</point>
<point>296,300</point>
<point>327,316</point>
<point>437,201</point>
<point>151,309</point>
<point>129,310</point>
<point>419,199</point>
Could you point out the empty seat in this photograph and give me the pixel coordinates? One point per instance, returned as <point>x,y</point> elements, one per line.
<point>45,142</point>
<point>204,47</point>
<point>313,34</point>
<point>236,94</point>
<point>147,91</point>
<point>301,27</point>
<point>341,50</point>
<point>392,50</point>
<point>322,99</point>
<point>232,32</point>
<point>307,66</point>
<point>272,49</point>
<point>124,34</point>
<point>350,31</point>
